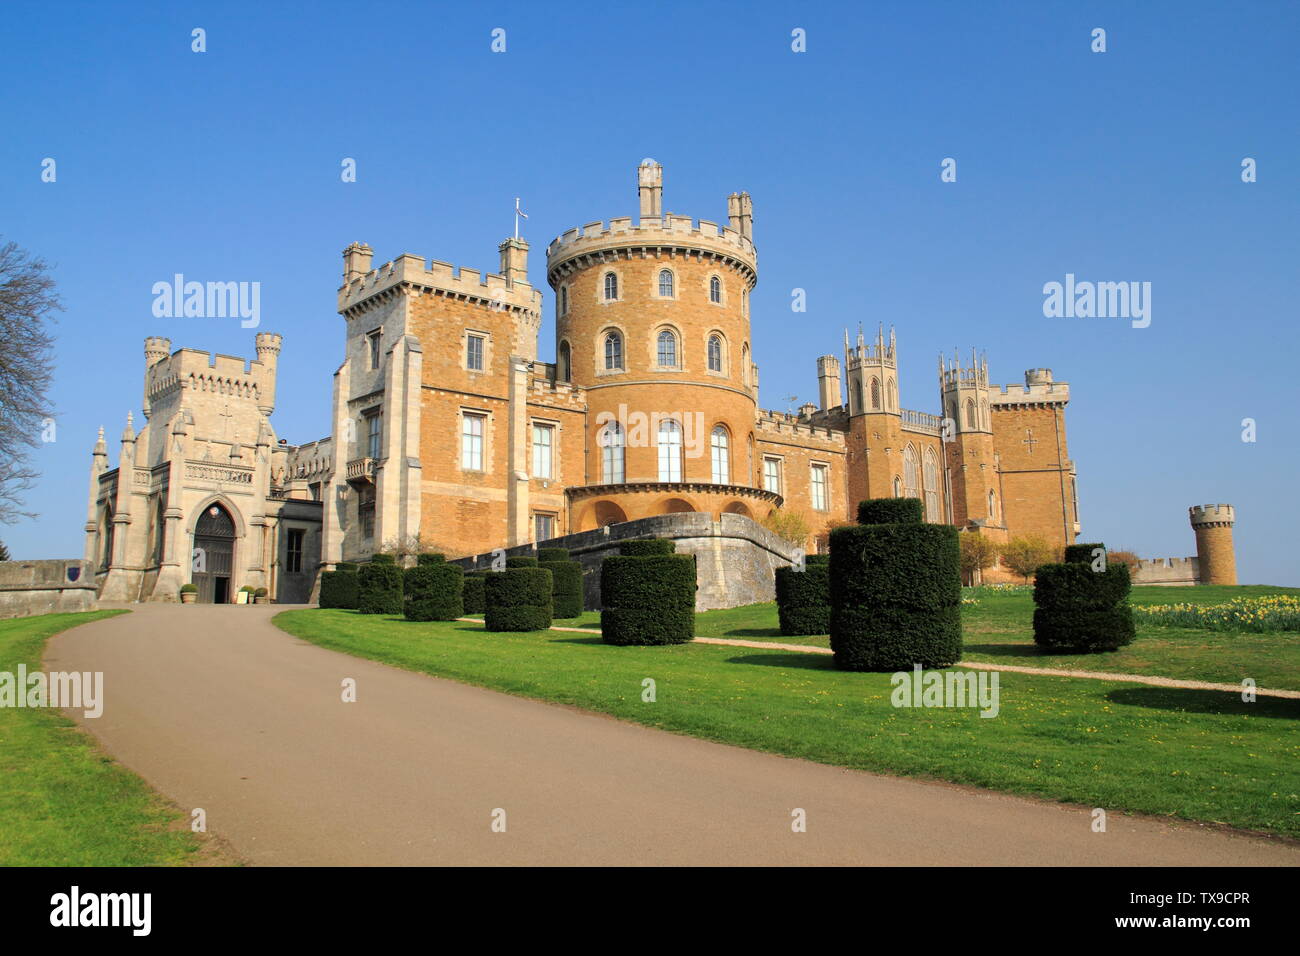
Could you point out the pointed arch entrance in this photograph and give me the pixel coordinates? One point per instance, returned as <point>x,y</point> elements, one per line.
<point>214,554</point>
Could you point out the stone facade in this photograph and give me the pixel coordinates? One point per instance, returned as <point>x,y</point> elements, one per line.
<point>46,587</point>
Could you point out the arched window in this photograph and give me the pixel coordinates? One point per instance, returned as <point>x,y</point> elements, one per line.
<point>566,361</point>
<point>970,413</point>
<point>744,364</point>
<point>911,473</point>
<point>720,445</point>
<point>984,413</point>
<point>670,450</point>
<point>862,396</point>
<point>715,289</point>
<point>932,487</point>
<point>875,393</point>
<point>898,487</point>
<point>893,395</point>
<point>564,300</point>
<point>744,302</point>
<point>611,287</point>
<point>993,504</point>
<point>667,349</point>
<point>715,353</point>
<point>611,454</point>
<point>106,536</point>
<point>666,283</point>
<point>613,351</point>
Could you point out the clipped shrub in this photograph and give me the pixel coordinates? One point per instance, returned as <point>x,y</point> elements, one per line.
<point>895,590</point>
<point>803,598</point>
<point>189,588</point>
<point>1081,553</point>
<point>646,548</point>
<point>552,554</point>
<point>521,562</point>
<point>379,587</point>
<point>648,599</point>
<point>340,589</point>
<point>817,559</point>
<point>474,591</point>
<point>434,591</point>
<point>1079,610</point>
<point>518,599</point>
<point>382,557</point>
<point>346,566</point>
<point>890,511</point>
<point>429,557</point>
<point>566,584</point>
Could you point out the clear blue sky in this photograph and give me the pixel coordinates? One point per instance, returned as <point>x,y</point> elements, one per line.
<point>1116,166</point>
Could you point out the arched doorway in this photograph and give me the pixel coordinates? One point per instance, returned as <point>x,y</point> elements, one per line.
<point>214,555</point>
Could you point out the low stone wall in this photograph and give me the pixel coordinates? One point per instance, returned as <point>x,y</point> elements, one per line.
<point>44,587</point>
<point>736,558</point>
<point>1171,572</point>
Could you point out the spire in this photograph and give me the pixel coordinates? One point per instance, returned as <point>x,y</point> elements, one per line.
<point>128,433</point>
<point>101,447</point>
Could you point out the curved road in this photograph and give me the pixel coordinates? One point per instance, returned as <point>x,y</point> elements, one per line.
<point>217,708</point>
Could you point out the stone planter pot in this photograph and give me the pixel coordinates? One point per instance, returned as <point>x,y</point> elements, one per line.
<point>262,600</point>
<point>189,597</point>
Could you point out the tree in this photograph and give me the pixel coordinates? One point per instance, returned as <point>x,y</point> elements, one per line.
<point>27,301</point>
<point>4,552</point>
<point>1124,557</point>
<point>789,525</point>
<point>823,540</point>
<point>977,554</point>
<point>1026,555</point>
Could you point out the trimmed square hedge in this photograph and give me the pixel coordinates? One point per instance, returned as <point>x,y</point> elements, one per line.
<point>518,599</point>
<point>566,585</point>
<point>1081,553</point>
<point>339,589</point>
<point>552,554</point>
<point>380,587</point>
<point>648,600</point>
<point>803,599</point>
<point>430,557</point>
<point>1079,610</point>
<point>474,593</point>
<point>895,590</point>
<point>521,562</point>
<point>434,591</point>
<point>650,547</point>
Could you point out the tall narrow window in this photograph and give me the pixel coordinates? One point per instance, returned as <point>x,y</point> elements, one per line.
<point>665,283</point>
<point>366,512</point>
<point>911,473</point>
<point>744,364</point>
<point>611,454</point>
<point>772,475</point>
<point>566,363</point>
<point>932,487</point>
<point>613,351</point>
<point>564,300</point>
<point>993,504</point>
<point>611,287</point>
<point>293,553</point>
<point>715,289</point>
<point>667,349</point>
<point>820,488</point>
<point>875,393</point>
<point>720,444</point>
<point>892,395</point>
<point>373,341</point>
<point>715,353</point>
<point>898,487</point>
<point>474,353</point>
<point>471,442</point>
<point>543,527</point>
<point>543,457</point>
<point>970,413</point>
<point>374,434</point>
<point>670,450</point>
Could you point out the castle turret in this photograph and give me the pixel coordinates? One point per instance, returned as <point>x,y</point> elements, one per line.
<point>514,261</point>
<point>972,462</point>
<point>1215,554</point>
<point>156,349</point>
<point>268,354</point>
<point>872,372</point>
<point>828,382</point>
<point>650,189</point>
<point>356,261</point>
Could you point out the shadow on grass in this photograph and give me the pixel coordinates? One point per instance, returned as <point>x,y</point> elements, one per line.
<point>1206,702</point>
<point>576,639</point>
<point>748,632</point>
<point>812,662</point>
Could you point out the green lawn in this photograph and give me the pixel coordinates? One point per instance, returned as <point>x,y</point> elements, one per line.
<point>62,802</point>
<point>1000,630</point>
<point>1197,755</point>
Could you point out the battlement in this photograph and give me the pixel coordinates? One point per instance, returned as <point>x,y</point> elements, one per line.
<point>545,388</point>
<point>1054,393</point>
<point>1168,572</point>
<point>1212,515</point>
<point>876,354</point>
<point>790,423</point>
<point>438,277</point>
<point>667,231</point>
<point>958,376</point>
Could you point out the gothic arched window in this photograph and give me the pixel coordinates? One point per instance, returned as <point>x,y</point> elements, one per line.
<point>715,289</point>
<point>932,487</point>
<point>564,300</point>
<point>875,393</point>
<point>566,360</point>
<point>611,454</point>
<point>911,473</point>
<point>667,344</point>
<point>715,353</point>
<point>970,413</point>
<point>666,283</point>
<point>613,351</point>
<point>670,450</point>
<point>611,286</point>
<point>721,447</point>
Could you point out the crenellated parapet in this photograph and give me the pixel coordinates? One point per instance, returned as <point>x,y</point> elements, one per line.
<point>804,428</point>
<point>412,275</point>
<point>669,235</point>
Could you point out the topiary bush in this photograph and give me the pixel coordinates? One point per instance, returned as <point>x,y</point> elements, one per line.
<point>566,583</point>
<point>474,591</point>
<point>340,589</point>
<point>382,557</point>
<point>646,548</point>
<point>518,599</point>
<point>521,562</point>
<point>895,590</point>
<point>648,600</point>
<point>379,587</point>
<point>434,591</point>
<point>803,600</point>
<point>1079,610</point>
<point>552,554</point>
<point>429,557</point>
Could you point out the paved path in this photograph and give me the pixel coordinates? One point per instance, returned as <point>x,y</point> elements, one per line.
<point>219,709</point>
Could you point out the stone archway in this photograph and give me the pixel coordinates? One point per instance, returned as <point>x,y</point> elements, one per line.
<point>673,506</point>
<point>738,508</point>
<point>213,555</point>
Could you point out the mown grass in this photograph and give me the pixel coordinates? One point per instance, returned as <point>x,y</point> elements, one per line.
<point>1196,755</point>
<point>62,801</point>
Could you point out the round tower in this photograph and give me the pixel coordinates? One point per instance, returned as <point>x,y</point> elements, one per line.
<point>156,349</point>
<point>1215,554</point>
<point>652,320</point>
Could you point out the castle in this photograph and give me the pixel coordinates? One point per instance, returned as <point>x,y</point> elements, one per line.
<point>446,424</point>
